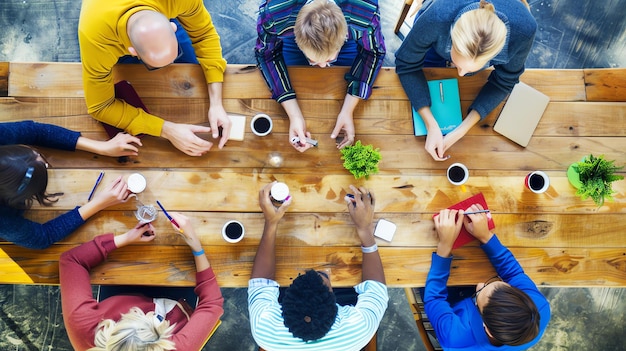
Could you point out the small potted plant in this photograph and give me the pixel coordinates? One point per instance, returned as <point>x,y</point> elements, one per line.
<point>592,176</point>
<point>361,160</point>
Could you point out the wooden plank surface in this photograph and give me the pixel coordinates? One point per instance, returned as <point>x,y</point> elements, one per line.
<point>187,81</point>
<point>173,265</point>
<point>559,239</point>
<point>608,84</point>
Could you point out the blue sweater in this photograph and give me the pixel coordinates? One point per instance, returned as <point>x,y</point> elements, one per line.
<point>13,226</point>
<point>461,327</point>
<point>432,30</point>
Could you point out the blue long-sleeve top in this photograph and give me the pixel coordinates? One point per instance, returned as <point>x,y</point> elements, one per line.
<point>432,30</point>
<point>460,327</point>
<point>13,226</point>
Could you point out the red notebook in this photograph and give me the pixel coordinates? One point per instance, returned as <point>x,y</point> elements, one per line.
<point>464,236</point>
<point>126,92</point>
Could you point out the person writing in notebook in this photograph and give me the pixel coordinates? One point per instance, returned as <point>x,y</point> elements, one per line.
<point>471,36</point>
<point>319,33</point>
<point>111,29</point>
<point>507,312</point>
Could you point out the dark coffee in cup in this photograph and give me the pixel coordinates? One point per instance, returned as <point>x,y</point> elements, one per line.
<point>456,174</point>
<point>233,230</point>
<point>262,125</point>
<point>536,182</point>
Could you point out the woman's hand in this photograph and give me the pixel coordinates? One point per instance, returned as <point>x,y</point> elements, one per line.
<point>188,233</point>
<point>142,232</point>
<point>115,193</point>
<point>122,144</point>
<point>448,225</point>
<point>477,224</point>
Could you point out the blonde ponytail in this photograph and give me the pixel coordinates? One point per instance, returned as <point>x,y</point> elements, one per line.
<point>479,34</point>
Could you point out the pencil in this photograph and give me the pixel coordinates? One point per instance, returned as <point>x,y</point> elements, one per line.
<point>172,220</point>
<point>481,211</point>
<point>93,190</point>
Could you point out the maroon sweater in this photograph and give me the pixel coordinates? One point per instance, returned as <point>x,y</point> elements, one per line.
<point>82,313</point>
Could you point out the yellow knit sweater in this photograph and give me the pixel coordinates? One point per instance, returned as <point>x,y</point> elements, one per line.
<point>103,40</point>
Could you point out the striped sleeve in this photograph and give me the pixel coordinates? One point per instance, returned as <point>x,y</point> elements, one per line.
<point>274,20</point>
<point>364,27</point>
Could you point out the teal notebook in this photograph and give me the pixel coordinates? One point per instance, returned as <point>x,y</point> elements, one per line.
<point>445,106</point>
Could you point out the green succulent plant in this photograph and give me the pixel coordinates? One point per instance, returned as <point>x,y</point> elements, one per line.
<point>596,175</point>
<point>361,160</point>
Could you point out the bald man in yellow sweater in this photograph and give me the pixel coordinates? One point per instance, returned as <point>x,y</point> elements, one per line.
<point>110,29</point>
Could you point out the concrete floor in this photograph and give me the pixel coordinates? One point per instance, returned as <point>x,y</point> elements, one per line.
<point>572,34</point>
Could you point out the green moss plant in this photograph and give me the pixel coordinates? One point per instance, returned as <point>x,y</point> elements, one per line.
<point>361,160</point>
<point>596,175</point>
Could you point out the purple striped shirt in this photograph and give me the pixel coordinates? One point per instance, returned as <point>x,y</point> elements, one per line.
<point>276,21</point>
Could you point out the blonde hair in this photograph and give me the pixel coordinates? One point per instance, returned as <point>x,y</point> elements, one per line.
<point>479,34</point>
<point>320,29</point>
<point>135,331</point>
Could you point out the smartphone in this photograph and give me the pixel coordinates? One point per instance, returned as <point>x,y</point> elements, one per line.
<point>385,229</point>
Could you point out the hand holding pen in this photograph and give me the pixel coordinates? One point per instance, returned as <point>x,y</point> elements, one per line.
<point>172,220</point>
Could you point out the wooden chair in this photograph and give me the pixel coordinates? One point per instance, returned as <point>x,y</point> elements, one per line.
<point>371,346</point>
<point>405,11</point>
<point>426,331</point>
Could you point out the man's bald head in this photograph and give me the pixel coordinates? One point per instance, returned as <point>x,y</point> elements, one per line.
<point>153,38</point>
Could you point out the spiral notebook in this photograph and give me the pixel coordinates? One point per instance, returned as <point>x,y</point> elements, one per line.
<point>445,106</point>
<point>464,236</point>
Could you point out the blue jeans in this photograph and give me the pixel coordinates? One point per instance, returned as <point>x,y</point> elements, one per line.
<point>189,55</point>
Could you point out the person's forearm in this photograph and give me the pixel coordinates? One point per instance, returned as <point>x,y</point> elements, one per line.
<point>202,262</point>
<point>292,109</point>
<point>427,116</point>
<point>349,104</point>
<point>89,145</point>
<point>265,260</point>
<point>89,209</point>
<point>372,266</point>
<point>215,94</point>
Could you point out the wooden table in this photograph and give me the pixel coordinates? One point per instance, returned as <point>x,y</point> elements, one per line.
<point>559,239</point>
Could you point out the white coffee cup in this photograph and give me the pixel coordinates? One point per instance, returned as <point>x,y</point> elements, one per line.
<point>136,183</point>
<point>233,231</point>
<point>261,124</point>
<point>538,182</point>
<point>457,174</point>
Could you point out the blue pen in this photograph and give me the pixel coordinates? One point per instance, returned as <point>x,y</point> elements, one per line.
<point>172,220</point>
<point>93,190</point>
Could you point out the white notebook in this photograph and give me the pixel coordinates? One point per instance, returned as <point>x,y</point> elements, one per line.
<point>521,114</point>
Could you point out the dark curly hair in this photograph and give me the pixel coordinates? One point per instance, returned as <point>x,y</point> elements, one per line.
<point>309,307</point>
<point>511,316</point>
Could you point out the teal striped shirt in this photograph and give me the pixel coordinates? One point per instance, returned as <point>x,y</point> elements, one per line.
<point>353,328</point>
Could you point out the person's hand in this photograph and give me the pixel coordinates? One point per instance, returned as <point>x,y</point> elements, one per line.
<point>297,128</point>
<point>361,209</point>
<point>477,224</point>
<point>188,232</point>
<point>448,225</point>
<point>123,144</point>
<point>435,144</point>
<point>219,118</point>
<point>345,122</point>
<point>272,214</point>
<point>142,232</point>
<point>183,137</point>
<point>115,193</point>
